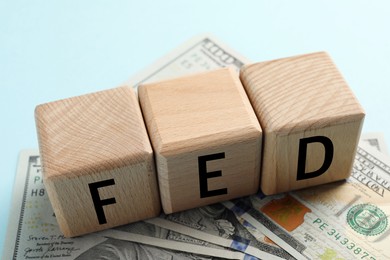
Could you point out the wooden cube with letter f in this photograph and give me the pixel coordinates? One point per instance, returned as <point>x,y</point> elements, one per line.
<point>206,139</point>
<point>97,160</point>
<point>310,118</point>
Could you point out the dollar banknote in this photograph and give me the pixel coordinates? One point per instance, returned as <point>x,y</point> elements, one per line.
<point>199,54</point>
<point>342,220</point>
<point>375,140</point>
<point>219,225</point>
<point>32,231</point>
<point>136,240</point>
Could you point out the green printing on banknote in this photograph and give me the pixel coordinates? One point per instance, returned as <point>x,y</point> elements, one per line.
<point>367,219</point>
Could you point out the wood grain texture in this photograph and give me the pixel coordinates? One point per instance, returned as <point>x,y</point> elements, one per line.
<point>91,138</point>
<point>199,115</point>
<point>299,97</point>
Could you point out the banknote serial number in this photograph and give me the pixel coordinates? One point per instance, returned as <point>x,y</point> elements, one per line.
<point>344,241</point>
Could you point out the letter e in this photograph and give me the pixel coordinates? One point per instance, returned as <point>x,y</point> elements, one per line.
<point>204,175</point>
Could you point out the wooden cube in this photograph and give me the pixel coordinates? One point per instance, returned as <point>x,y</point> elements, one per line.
<point>97,160</point>
<point>310,118</point>
<point>206,139</point>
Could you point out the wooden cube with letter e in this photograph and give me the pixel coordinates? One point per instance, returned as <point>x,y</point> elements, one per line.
<point>206,138</point>
<point>97,161</point>
<point>310,118</point>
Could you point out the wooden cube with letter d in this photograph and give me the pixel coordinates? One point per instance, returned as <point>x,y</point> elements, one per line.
<point>310,118</point>
<point>97,161</point>
<point>206,139</point>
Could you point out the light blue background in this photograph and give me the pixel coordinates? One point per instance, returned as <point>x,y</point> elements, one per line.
<point>56,49</point>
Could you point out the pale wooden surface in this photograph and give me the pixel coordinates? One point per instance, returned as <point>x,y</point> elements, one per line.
<point>199,115</point>
<point>91,138</point>
<point>298,97</point>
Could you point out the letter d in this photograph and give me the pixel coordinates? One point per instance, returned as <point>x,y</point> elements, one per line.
<point>328,145</point>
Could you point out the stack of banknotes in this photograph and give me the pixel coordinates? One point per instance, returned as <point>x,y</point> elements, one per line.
<point>343,220</point>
